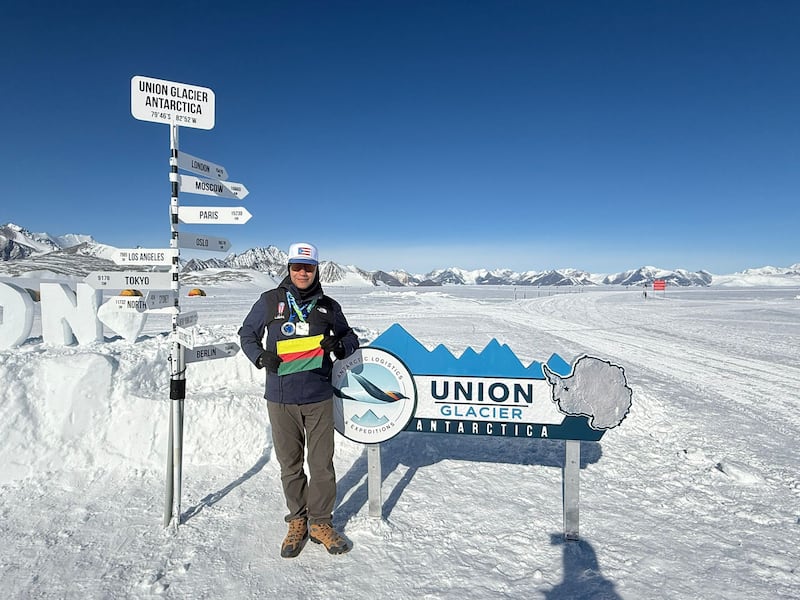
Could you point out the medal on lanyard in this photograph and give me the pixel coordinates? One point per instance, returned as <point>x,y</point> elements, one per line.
<point>301,327</point>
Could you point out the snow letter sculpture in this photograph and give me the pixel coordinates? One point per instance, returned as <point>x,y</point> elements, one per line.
<point>595,388</point>
<point>16,315</point>
<point>67,316</point>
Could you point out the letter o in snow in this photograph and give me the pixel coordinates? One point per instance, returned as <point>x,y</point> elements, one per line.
<point>16,315</point>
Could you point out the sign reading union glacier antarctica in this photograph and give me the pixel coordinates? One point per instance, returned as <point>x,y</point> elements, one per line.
<point>396,384</point>
<point>173,103</point>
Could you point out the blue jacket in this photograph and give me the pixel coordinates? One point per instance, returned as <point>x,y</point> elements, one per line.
<point>269,313</point>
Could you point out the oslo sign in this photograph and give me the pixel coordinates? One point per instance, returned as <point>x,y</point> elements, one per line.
<point>203,167</point>
<point>212,187</point>
<point>144,256</point>
<point>119,280</point>
<point>221,215</point>
<point>173,103</point>
<point>203,242</point>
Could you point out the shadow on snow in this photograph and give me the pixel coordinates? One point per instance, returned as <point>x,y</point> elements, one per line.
<point>582,578</point>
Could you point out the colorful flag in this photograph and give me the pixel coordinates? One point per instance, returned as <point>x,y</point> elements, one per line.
<point>300,354</point>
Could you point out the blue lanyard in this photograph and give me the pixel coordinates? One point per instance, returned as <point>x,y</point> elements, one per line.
<point>301,311</point>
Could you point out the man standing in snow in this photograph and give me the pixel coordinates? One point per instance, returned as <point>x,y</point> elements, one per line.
<point>303,327</point>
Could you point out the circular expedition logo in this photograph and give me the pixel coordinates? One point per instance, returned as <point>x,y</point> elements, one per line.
<point>374,396</point>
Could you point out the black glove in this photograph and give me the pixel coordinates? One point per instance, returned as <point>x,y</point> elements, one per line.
<point>269,360</point>
<point>331,343</point>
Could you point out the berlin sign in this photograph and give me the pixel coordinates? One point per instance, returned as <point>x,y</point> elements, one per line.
<point>210,352</point>
<point>173,103</point>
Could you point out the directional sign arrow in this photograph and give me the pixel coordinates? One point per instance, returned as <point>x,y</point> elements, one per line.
<point>212,187</point>
<point>157,300</point>
<point>186,319</point>
<point>144,256</point>
<point>210,352</point>
<point>185,337</point>
<point>120,280</point>
<point>187,162</point>
<point>221,215</point>
<point>196,241</point>
<point>128,303</point>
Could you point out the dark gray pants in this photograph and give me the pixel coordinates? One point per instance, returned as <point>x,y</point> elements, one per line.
<point>295,426</point>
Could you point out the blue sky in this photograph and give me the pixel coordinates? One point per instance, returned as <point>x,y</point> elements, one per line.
<point>599,135</point>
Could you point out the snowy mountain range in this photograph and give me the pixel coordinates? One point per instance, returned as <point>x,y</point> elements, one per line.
<point>76,255</point>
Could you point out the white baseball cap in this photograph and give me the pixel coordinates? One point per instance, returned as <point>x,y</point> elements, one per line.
<point>304,253</point>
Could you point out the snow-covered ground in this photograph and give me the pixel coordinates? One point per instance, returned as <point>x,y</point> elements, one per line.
<point>695,495</point>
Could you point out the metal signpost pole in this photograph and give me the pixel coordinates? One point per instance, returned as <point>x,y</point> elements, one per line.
<point>174,103</point>
<point>177,383</point>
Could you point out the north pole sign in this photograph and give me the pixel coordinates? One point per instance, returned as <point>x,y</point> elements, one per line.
<point>161,101</point>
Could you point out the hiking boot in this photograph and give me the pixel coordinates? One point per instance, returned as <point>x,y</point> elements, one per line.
<point>295,539</point>
<point>325,534</point>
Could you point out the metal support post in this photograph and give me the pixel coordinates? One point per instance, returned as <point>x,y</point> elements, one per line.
<point>571,488</point>
<point>177,384</point>
<point>374,479</point>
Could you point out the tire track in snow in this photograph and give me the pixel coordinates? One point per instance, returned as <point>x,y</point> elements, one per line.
<point>746,381</point>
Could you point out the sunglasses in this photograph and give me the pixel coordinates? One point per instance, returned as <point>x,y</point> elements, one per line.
<point>302,267</point>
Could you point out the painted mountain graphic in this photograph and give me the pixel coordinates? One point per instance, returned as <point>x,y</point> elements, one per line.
<point>369,419</point>
<point>495,360</point>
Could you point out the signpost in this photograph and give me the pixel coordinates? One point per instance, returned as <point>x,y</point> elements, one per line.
<point>196,241</point>
<point>144,256</point>
<point>219,215</point>
<point>211,352</point>
<point>160,101</point>
<point>187,319</point>
<point>121,280</point>
<point>129,304</point>
<point>157,300</point>
<point>178,104</point>
<point>151,302</point>
<point>206,168</point>
<point>185,337</point>
<point>212,187</point>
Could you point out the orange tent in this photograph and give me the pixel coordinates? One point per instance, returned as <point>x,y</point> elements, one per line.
<point>196,292</point>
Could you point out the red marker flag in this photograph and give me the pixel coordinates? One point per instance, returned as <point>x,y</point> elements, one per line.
<point>300,354</point>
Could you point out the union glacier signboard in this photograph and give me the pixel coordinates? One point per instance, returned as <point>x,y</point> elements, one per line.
<point>396,384</point>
